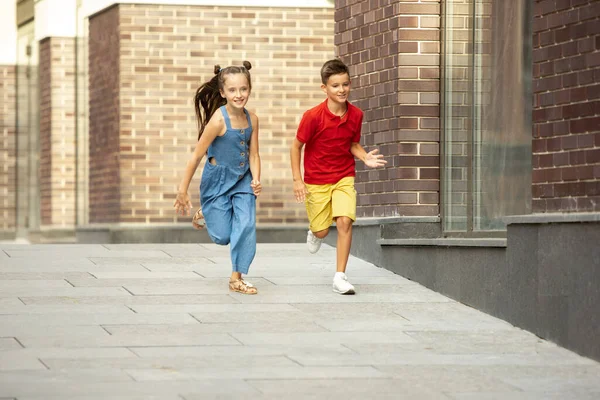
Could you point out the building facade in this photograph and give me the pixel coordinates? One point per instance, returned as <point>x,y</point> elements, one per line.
<point>105,118</point>
<point>486,110</point>
<point>488,113</point>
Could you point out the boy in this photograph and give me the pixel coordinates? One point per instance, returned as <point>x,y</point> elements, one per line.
<point>331,134</point>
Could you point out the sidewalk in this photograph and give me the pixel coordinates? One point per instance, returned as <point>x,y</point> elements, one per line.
<point>116,322</point>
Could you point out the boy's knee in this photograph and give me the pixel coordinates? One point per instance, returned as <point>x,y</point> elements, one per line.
<point>321,234</point>
<point>343,224</point>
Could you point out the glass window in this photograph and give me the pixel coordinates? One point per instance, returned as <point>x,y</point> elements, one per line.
<point>486,113</point>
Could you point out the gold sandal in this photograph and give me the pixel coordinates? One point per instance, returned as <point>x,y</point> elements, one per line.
<point>241,286</point>
<point>198,220</point>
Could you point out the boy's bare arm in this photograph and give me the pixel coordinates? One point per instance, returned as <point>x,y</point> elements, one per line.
<point>371,159</point>
<point>299,187</point>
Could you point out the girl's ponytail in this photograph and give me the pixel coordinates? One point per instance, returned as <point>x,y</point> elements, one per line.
<point>208,97</point>
<point>208,100</point>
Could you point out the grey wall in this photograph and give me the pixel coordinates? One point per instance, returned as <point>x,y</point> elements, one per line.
<point>546,280</point>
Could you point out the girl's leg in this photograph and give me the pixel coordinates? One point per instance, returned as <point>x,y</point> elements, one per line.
<point>243,241</point>
<point>243,233</point>
<point>218,214</point>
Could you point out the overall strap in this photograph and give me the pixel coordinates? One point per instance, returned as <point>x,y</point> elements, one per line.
<point>226,116</point>
<point>249,120</point>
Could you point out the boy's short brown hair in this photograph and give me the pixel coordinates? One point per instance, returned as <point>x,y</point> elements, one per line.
<point>333,67</point>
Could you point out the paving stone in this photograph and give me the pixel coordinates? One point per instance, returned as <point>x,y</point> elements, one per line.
<point>343,388</point>
<point>199,328</point>
<point>72,308</point>
<point>67,292</point>
<point>37,322</point>
<point>172,339</point>
<point>109,390</point>
<point>46,330</point>
<point>131,300</point>
<point>293,372</point>
<point>58,275</point>
<point>163,314</point>
<point>173,363</point>
<point>312,338</point>
<point>212,308</point>
<point>257,351</point>
<point>146,274</point>
<point>8,343</point>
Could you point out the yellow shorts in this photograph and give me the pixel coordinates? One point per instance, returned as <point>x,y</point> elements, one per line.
<point>326,202</point>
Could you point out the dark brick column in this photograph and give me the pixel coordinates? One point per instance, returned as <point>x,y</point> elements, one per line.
<point>104,184</point>
<point>566,116</point>
<point>393,53</point>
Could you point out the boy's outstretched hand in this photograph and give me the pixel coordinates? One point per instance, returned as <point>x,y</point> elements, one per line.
<point>374,160</point>
<point>300,191</point>
<point>183,204</point>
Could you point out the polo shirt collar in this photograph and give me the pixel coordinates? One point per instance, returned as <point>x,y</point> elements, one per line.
<point>332,115</point>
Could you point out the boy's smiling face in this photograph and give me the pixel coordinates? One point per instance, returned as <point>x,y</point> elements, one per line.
<point>337,88</point>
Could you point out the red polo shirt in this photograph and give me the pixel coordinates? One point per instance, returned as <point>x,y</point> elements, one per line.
<point>328,139</point>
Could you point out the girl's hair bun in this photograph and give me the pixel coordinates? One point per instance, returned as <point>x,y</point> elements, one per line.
<point>217,69</point>
<point>247,65</point>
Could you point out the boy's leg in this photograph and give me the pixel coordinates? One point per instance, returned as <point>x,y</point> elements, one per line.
<point>318,209</point>
<point>344,212</point>
<point>344,242</point>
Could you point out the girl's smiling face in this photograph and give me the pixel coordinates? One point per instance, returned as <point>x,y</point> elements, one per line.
<point>236,90</point>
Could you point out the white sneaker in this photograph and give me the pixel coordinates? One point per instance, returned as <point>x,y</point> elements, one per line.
<point>313,242</point>
<point>341,284</point>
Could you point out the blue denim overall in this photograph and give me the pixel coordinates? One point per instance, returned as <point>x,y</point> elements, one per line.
<point>228,203</point>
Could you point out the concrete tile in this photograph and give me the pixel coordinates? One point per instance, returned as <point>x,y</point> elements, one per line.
<point>173,339</point>
<point>314,338</point>
<point>445,378</point>
<point>9,343</point>
<point>131,300</point>
<point>30,276</point>
<point>575,395</point>
<point>225,360</point>
<point>6,286</point>
<point>37,322</point>
<point>342,388</point>
<point>72,308</point>
<point>295,372</point>
<point>212,308</point>
<point>14,361</point>
<point>242,351</point>
<point>200,328</point>
<point>65,292</point>
<point>42,330</point>
<point>329,297</point>
<point>105,390</point>
<point>146,274</point>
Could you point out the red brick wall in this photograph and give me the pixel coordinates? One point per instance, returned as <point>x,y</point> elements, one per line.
<point>142,122</point>
<point>104,95</point>
<point>566,116</point>
<point>393,52</point>
<point>7,147</point>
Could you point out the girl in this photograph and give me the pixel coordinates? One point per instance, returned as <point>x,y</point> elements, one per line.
<point>228,135</point>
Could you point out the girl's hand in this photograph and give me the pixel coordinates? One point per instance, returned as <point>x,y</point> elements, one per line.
<point>300,191</point>
<point>374,160</point>
<point>182,204</point>
<point>256,187</point>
